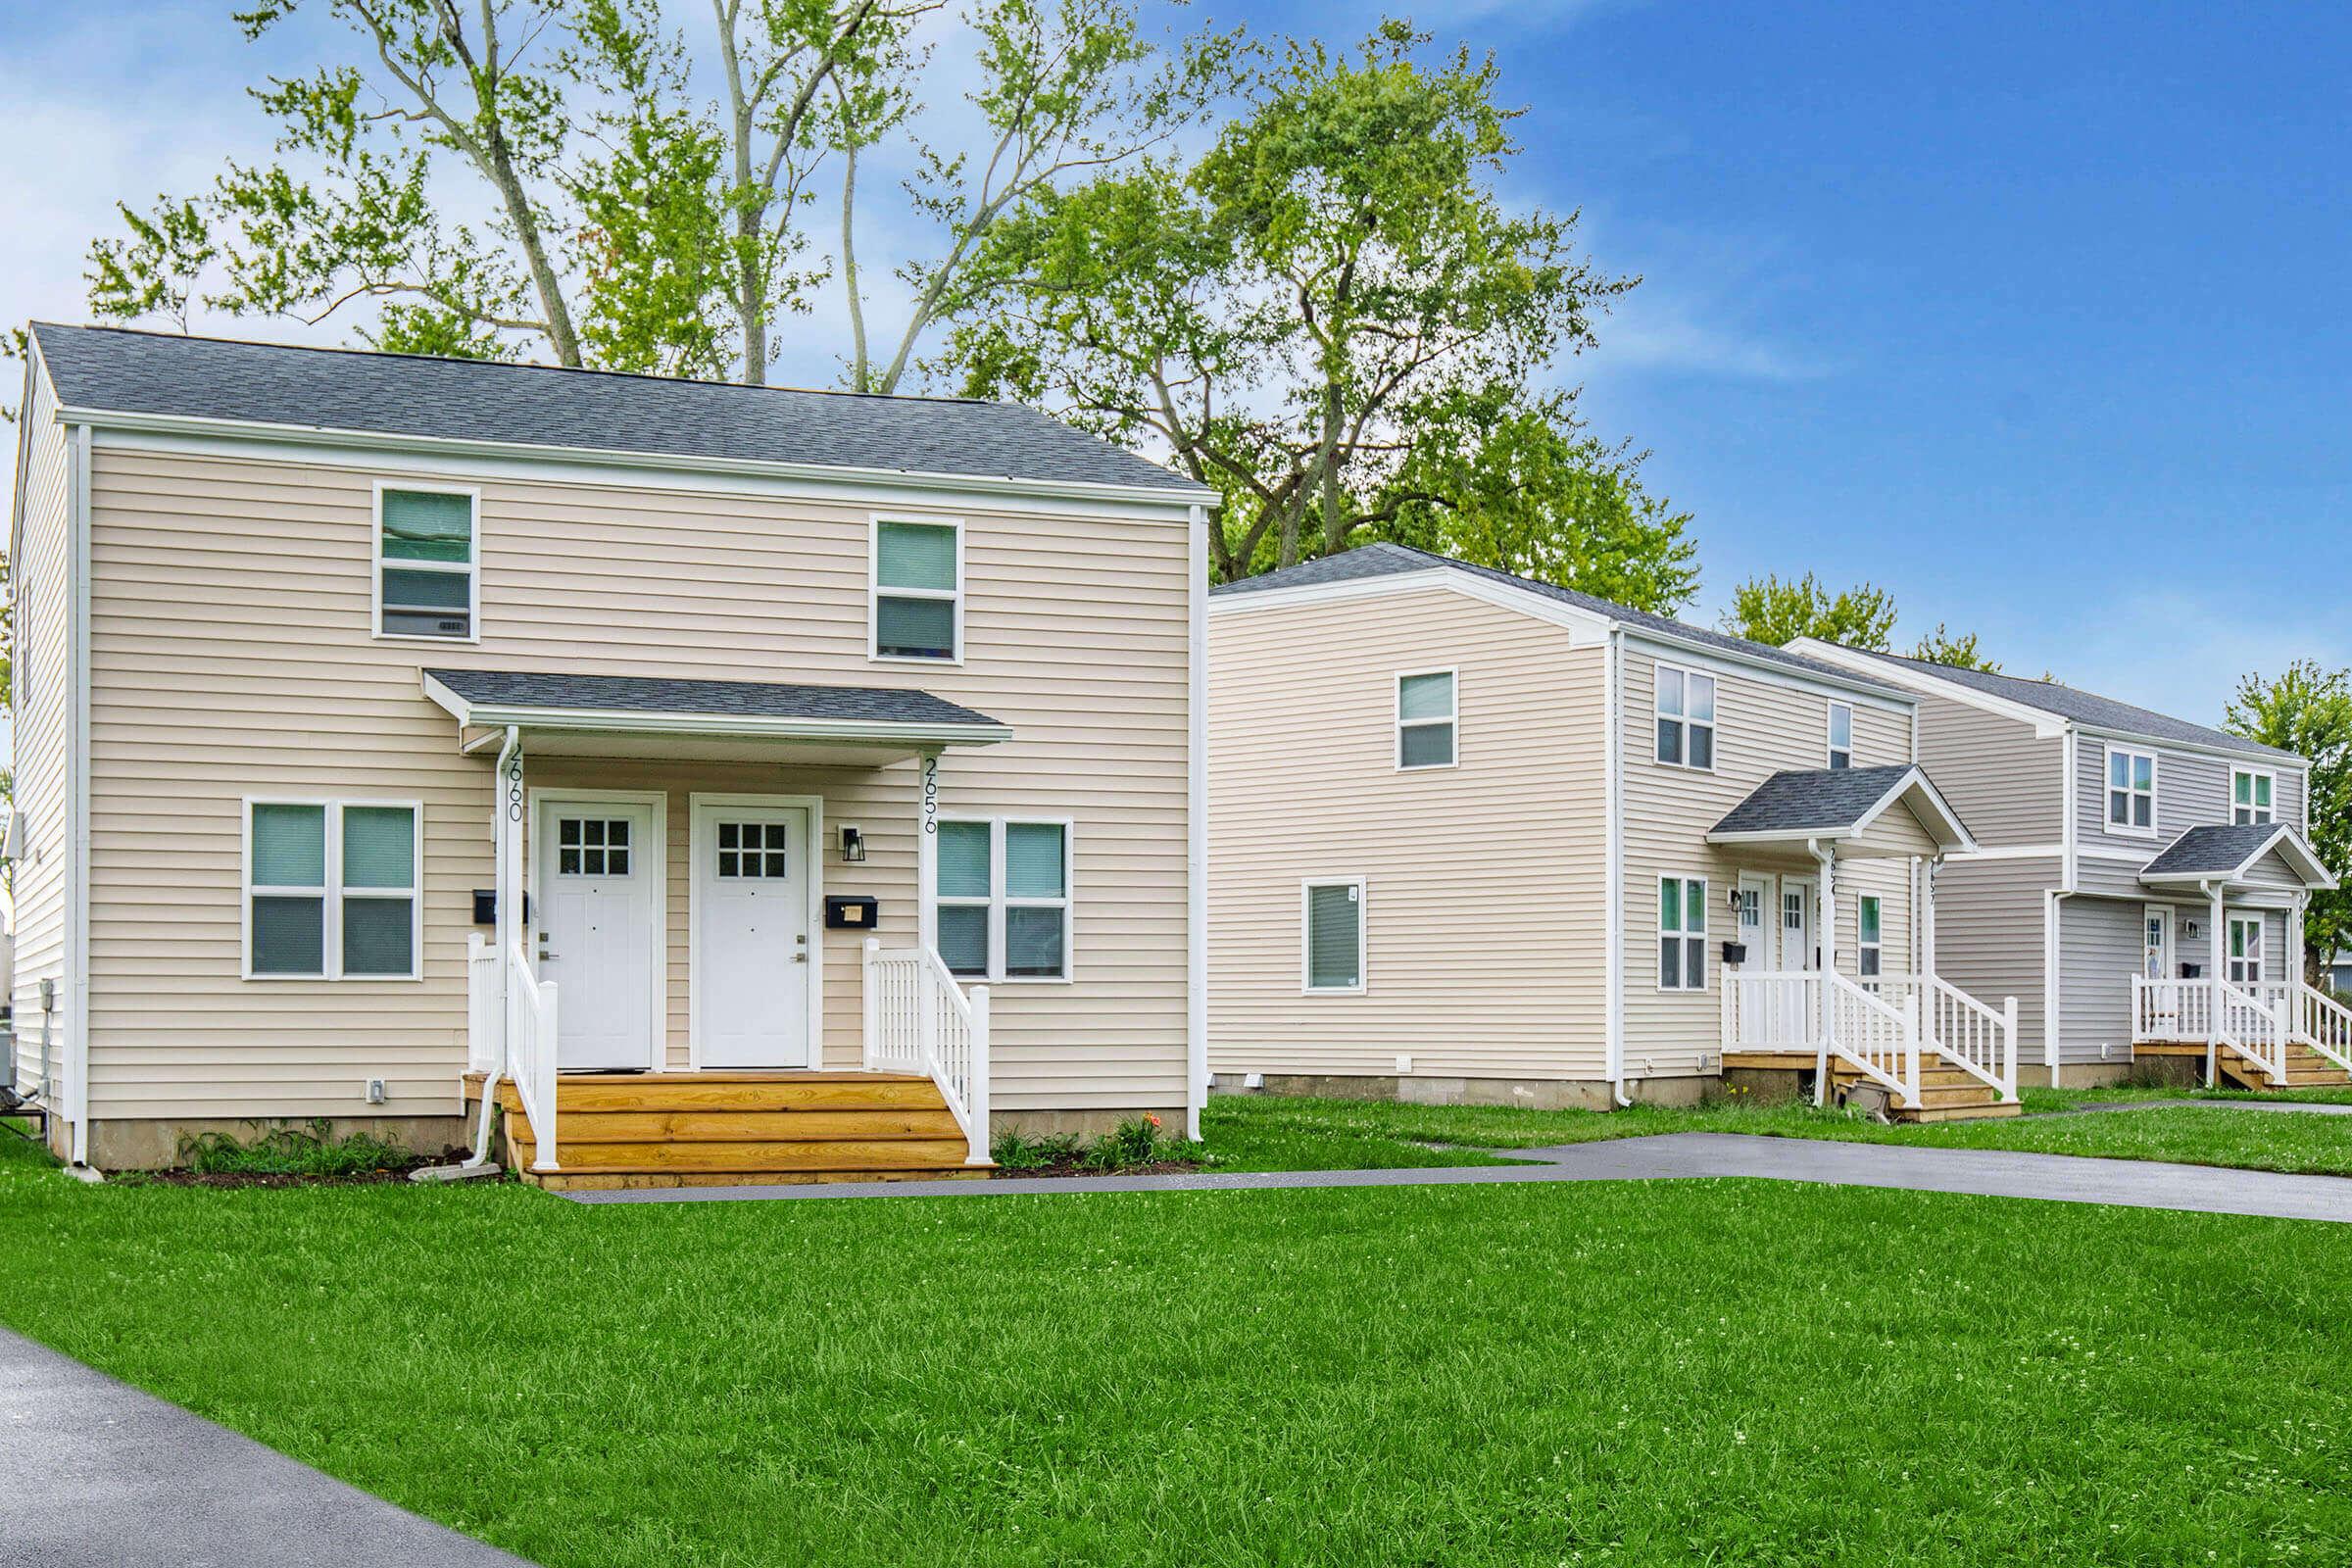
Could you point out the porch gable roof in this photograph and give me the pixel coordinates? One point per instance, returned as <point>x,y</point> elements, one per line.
<point>640,704</point>
<point>1838,803</point>
<point>2227,852</point>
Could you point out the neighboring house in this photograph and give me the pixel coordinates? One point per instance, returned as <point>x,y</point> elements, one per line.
<point>2127,860</point>
<point>329,658</point>
<point>1479,838</point>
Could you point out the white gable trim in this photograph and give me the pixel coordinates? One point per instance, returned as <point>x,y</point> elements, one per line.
<point>2046,726</point>
<point>1588,630</point>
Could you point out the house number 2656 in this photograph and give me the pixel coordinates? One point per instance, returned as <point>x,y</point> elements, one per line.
<point>931,795</point>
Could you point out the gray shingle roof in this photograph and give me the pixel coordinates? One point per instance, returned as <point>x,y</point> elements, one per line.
<point>2214,849</point>
<point>118,370</point>
<point>2086,707</point>
<point>1815,799</point>
<point>1384,560</point>
<point>716,698</point>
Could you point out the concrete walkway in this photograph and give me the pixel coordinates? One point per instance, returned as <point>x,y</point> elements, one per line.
<point>1990,1173</point>
<point>102,1476</point>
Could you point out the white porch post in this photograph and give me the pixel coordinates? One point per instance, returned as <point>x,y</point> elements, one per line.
<point>1924,876</point>
<point>2217,941</point>
<point>1827,937</point>
<point>513,922</point>
<point>2295,955</point>
<point>926,849</point>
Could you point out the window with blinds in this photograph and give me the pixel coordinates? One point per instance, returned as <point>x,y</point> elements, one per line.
<point>425,582</point>
<point>1333,933</point>
<point>918,603</point>
<point>331,890</point>
<point>1001,892</point>
<point>1425,720</point>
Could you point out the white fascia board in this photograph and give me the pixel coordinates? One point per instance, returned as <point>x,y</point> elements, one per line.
<point>627,721</point>
<point>2289,845</point>
<point>15,511</point>
<point>186,432</point>
<point>1950,831</point>
<point>2046,726</point>
<point>2256,759</point>
<point>1690,653</point>
<point>1588,630</point>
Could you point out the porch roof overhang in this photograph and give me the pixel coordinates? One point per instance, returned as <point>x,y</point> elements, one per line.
<point>2226,852</point>
<point>656,715</point>
<point>1803,806</point>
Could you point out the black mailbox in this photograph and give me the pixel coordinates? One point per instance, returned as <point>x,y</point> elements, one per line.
<point>1734,953</point>
<point>485,906</point>
<point>850,911</point>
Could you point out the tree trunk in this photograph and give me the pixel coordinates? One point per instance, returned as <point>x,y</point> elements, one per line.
<point>849,267</point>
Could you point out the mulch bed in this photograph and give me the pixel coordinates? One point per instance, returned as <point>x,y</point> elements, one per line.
<point>242,1178</point>
<point>1164,1167</point>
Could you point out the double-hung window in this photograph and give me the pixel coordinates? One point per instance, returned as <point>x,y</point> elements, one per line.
<point>1331,923</point>
<point>426,585</point>
<point>1867,949</point>
<point>917,591</point>
<point>2245,949</point>
<point>1686,704</point>
<point>2130,791</point>
<point>1004,899</point>
<point>1842,735</point>
<point>1425,720</point>
<point>1682,933</point>
<point>2250,795</point>
<point>331,890</point>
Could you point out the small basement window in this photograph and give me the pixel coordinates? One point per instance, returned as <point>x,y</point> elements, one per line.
<point>425,582</point>
<point>917,591</point>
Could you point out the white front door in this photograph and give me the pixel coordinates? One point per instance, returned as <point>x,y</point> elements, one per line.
<point>2156,941</point>
<point>593,892</point>
<point>1756,922</point>
<point>1797,951</point>
<point>752,941</point>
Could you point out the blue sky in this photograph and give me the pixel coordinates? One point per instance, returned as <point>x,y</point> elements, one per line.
<point>2034,315</point>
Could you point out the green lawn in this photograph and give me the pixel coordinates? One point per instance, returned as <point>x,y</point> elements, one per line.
<point>1716,1372</point>
<point>1249,1132</point>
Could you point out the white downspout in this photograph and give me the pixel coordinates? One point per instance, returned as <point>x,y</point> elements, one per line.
<point>1196,1012</point>
<point>1612,920</point>
<point>77,903</point>
<point>1824,917</point>
<point>502,930</point>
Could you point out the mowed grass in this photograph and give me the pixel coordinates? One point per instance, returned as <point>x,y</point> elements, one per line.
<point>1270,1132</point>
<point>1714,1372</point>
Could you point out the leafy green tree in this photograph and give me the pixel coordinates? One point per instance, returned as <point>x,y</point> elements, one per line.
<point>2308,711</point>
<point>1940,647</point>
<point>1769,610</point>
<point>1333,291</point>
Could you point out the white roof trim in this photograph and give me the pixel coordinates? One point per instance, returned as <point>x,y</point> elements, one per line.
<point>2275,759</point>
<point>1945,827</point>
<point>2046,726</point>
<point>2290,845</point>
<point>655,721</point>
<point>195,425</point>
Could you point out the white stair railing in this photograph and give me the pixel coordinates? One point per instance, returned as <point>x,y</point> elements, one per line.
<point>919,1020</point>
<point>1965,1032</point>
<point>2244,1024</point>
<point>1878,1040</point>
<point>1771,1010</point>
<point>531,1053</point>
<point>2324,1024</point>
<point>2170,1010</point>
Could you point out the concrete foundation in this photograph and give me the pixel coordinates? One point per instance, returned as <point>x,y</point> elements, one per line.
<point>1770,1086</point>
<point>1533,1094</point>
<point>154,1145</point>
<point>2100,1075</point>
<point>1084,1123</point>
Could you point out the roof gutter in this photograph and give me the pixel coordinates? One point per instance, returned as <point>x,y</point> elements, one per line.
<point>605,721</point>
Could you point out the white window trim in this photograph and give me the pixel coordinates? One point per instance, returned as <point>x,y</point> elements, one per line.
<point>1685,935</point>
<point>2107,822</point>
<point>998,900</point>
<point>1452,719</point>
<point>1831,747</point>
<point>1658,689</point>
<point>1306,935</point>
<point>1862,944</point>
<point>874,592</point>
<point>2236,773</point>
<point>332,892</point>
<point>2256,953</point>
<point>376,567</point>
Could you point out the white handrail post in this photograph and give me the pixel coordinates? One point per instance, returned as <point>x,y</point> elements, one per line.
<point>979,1138</point>
<point>1823,1007</point>
<point>543,1078</point>
<point>2008,1048</point>
<point>926,1017</point>
<point>870,976</point>
<point>1911,1045</point>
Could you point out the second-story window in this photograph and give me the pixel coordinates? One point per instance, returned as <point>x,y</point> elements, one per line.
<point>1686,719</point>
<point>917,610</point>
<point>2250,795</point>
<point>1842,735</point>
<point>2130,791</point>
<point>1425,720</point>
<point>425,582</point>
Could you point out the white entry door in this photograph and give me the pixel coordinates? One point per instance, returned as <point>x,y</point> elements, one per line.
<point>1756,922</point>
<point>1796,950</point>
<point>751,943</point>
<point>593,919</point>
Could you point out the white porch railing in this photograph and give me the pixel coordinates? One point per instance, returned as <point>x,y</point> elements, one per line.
<point>1964,1031</point>
<point>2247,1024</point>
<point>1879,1040</point>
<point>2170,1010</point>
<point>1771,1010</point>
<point>531,1053</point>
<point>919,1020</point>
<point>2324,1024</point>
<point>481,1009</point>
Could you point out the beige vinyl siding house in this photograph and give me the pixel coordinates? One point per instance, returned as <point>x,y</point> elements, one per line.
<point>1474,838</point>
<point>2120,852</point>
<point>245,648</point>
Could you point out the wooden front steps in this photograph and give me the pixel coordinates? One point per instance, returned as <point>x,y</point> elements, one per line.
<point>1946,1094</point>
<point>2306,1068</point>
<point>699,1129</point>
